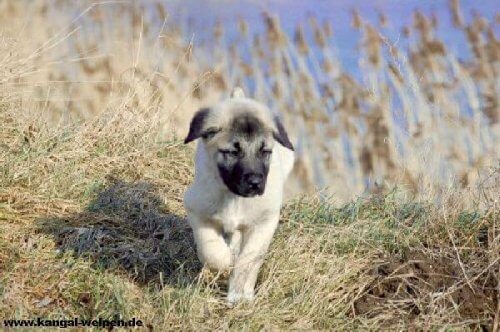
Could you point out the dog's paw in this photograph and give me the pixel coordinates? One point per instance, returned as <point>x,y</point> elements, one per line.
<point>234,298</point>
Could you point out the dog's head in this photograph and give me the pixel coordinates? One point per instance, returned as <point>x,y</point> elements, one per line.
<point>239,135</point>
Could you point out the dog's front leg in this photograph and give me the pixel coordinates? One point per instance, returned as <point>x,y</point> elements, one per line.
<point>235,245</point>
<point>256,241</point>
<point>211,248</point>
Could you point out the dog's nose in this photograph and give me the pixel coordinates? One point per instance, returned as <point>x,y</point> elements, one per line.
<point>254,180</point>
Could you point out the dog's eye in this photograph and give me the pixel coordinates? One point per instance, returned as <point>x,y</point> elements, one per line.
<point>231,153</point>
<point>266,152</point>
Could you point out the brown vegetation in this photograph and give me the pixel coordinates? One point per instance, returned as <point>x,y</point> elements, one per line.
<point>92,175</point>
<point>405,123</point>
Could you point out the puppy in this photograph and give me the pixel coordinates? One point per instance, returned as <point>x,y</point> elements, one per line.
<point>233,206</point>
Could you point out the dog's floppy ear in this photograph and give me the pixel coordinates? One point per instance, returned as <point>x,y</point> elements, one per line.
<point>280,134</point>
<point>198,127</point>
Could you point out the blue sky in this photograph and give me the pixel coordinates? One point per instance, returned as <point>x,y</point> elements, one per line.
<point>202,15</point>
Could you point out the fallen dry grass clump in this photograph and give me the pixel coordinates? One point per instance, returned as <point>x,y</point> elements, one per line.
<point>92,225</point>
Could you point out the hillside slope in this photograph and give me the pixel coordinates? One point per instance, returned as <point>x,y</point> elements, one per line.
<point>92,225</point>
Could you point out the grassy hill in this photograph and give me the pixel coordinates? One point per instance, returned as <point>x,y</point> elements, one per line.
<point>413,101</point>
<point>93,94</point>
<point>92,225</point>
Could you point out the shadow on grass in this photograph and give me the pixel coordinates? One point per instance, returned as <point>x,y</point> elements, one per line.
<point>128,227</point>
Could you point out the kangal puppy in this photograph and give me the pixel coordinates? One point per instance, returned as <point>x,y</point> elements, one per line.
<point>242,161</point>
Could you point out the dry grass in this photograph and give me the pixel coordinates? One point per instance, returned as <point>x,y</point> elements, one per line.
<point>419,115</point>
<point>92,224</point>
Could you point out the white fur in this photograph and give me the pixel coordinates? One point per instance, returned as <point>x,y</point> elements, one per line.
<point>234,232</point>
